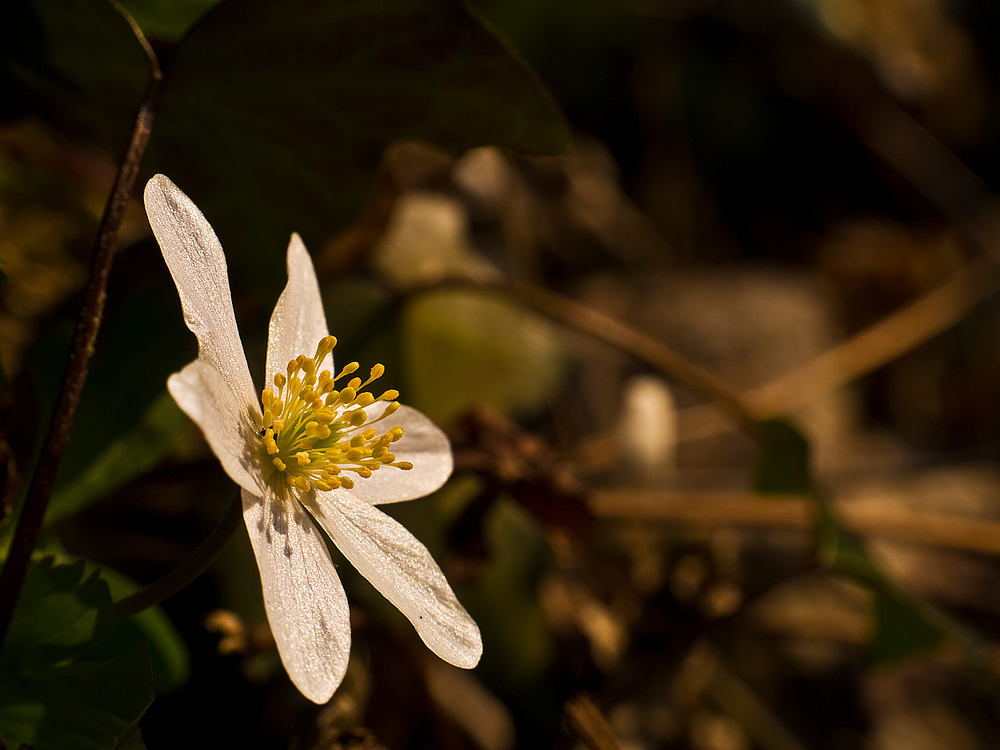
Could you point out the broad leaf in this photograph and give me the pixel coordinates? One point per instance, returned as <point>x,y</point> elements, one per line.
<point>61,612</point>
<point>903,626</point>
<point>168,653</point>
<point>277,113</point>
<point>79,706</point>
<point>166,19</point>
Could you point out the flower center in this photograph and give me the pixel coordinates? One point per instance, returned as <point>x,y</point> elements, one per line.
<point>313,433</point>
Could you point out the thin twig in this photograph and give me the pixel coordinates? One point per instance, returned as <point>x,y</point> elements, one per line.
<point>736,698</point>
<point>29,523</point>
<point>744,509</point>
<point>199,561</point>
<point>589,724</point>
<point>894,335</point>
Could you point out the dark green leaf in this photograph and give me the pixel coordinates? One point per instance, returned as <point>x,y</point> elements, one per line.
<point>844,551</point>
<point>128,456</point>
<point>79,706</point>
<point>166,19</point>
<point>126,423</point>
<point>132,740</point>
<point>167,651</point>
<point>61,612</point>
<point>902,628</point>
<point>277,113</point>
<point>81,48</point>
<point>782,459</point>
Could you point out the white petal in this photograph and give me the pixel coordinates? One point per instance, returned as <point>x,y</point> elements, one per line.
<point>198,265</point>
<point>298,321</point>
<point>228,422</point>
<point>402,569</point>
<point>423,444</point>
<point>305,601</point>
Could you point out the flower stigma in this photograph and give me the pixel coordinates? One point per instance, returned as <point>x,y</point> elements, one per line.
<point>314,433</point>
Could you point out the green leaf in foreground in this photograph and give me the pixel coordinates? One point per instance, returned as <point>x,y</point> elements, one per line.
<point>62,611</point>
<point>78,706</point>
<point>49,702</point>
<point>168,653</point>
<point>277,113</point>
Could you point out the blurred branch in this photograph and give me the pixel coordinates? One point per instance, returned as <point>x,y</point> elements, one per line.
<point>703,675</point>
<point>947,182</point>
<point>200,561</point>
<point>797,512</point>
<point>39,491</point>
<point>589,724</point>
<point>878,345</point>
<point>738,700</point>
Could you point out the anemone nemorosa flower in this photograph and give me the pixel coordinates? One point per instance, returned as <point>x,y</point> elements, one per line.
<point>316,446</point>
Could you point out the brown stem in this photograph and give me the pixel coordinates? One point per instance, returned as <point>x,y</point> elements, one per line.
<point>980,535</point>
<point>29,523</point>
<point>589,724</point>
<point>199,561</point>
<point>881,343</point>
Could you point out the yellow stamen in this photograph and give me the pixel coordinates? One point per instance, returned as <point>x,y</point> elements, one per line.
<point>312,432</point>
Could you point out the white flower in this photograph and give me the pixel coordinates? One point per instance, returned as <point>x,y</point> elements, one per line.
<point>295,455</point>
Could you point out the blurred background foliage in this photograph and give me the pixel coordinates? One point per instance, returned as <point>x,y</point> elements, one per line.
<point>750,184</point>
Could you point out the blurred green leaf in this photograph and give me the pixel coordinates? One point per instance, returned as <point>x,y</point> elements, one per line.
<point>78,706</point>
<point>505,601</point>
<point>463,348</point>
<point>902,629</point>
<point>782,459</point>
<point>128,456</point>
<point>903,626</point>
<point>168,653</point>
<point>166,19</point>
<point>60,613</point>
